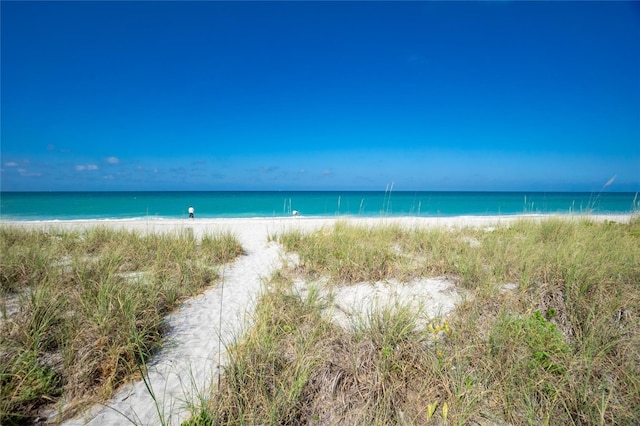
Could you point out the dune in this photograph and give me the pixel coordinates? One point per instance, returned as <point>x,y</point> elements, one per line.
<point>194,352</point>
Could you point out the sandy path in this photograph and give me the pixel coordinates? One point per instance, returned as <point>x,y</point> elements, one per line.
<point>188,362</point>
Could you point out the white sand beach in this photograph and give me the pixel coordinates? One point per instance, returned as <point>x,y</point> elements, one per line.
<point>188,364</point>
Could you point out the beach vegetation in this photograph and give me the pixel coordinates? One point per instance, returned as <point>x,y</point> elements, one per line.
<point>548,330</point>
<point>82,311</point>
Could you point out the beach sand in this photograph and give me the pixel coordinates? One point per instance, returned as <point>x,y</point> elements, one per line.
<point>189,363</point>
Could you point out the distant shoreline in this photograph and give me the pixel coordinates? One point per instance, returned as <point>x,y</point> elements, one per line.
<point>315,217</point>
<point>347,217</point>
<point>201,226</point>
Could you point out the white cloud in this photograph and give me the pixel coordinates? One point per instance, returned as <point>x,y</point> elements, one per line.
<point>83,167</point>
<point>112,160</point>
<point>11,164</point>
<point>25,172</point>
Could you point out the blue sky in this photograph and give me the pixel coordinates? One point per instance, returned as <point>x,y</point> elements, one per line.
<point>320,95</point>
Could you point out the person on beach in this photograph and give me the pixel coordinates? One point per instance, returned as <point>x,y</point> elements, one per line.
<point>191,211</point>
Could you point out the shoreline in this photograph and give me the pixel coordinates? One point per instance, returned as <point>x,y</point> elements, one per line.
<point>460,220</point>
<point>12,218</point>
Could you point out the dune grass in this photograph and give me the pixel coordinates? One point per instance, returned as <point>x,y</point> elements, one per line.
<point>548,331</point>
<point>83,311</point>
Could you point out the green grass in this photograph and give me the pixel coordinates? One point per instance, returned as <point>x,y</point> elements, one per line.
<point>561,346</point>
<point>83,311</point>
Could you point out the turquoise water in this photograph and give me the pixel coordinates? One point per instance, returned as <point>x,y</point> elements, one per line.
<point>245,204</point>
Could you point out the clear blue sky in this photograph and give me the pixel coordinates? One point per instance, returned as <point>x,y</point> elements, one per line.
<point>320,95</point>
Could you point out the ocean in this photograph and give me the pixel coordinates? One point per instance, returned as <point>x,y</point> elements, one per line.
<point>249,204</point>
